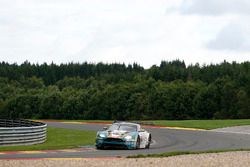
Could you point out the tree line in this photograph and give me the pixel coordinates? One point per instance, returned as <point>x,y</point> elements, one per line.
<point>170,91</point>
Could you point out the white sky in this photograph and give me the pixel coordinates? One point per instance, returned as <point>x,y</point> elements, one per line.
<point>142,31</point>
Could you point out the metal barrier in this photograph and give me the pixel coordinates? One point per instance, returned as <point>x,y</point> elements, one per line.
<point>22,132</point>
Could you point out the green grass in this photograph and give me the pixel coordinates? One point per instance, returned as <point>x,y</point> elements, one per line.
<point>169,154</point>
<point>204,124</point>
<point>201,124</point>
<point>58,138</point>
<point>108,121</point>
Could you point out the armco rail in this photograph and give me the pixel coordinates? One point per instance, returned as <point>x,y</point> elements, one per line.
<point>22,132</point>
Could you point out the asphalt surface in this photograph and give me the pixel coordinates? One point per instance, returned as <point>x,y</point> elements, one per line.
<point>235,129</point>
<point>165,140</point>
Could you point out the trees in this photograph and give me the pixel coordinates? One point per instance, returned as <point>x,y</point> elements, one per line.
<point>205,104</point>
<point>243,104</point>
<point>50,107</point>
<point>21,106</point>
<point>116,91</point>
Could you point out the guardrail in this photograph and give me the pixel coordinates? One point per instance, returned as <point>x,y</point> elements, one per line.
<point>22,132</point>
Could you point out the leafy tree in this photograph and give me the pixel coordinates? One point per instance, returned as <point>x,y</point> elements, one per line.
<point>243,104</point>
<point>171,90</point>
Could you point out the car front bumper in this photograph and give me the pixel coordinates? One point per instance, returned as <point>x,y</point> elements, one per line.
<point>115,143</point>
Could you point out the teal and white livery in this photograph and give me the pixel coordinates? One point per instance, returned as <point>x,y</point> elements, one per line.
<point>123,135</point>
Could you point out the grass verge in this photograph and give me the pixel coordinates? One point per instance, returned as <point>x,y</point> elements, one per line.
<point>90,121</point>
<point>169,154</point>
<point>58,138</point>
<point>200,124</point>
<point>203,124</point>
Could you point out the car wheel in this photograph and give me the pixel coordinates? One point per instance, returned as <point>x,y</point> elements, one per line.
<point>99,147</point>
<point>149,141</point>
<point>138,142</point>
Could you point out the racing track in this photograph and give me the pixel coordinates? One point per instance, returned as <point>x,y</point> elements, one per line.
<point>165,140</point>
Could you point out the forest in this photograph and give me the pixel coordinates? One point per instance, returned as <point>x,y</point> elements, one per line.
<point>170,91</point>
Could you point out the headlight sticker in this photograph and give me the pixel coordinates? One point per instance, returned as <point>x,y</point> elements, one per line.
<point>102,135</point>
<point>128,137</point>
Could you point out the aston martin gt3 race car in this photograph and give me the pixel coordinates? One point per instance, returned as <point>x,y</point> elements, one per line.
<point>123,135</point>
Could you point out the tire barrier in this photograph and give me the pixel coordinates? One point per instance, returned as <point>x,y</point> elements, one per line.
<point>22,132</point>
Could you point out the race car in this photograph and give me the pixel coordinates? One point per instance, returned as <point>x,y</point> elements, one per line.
<point>123,135</point>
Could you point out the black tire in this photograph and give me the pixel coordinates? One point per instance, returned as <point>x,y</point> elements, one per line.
<point>138,142</point>
<point>149,142</point>
<point>99,147</point>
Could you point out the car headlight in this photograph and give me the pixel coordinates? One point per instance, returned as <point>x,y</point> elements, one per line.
<point>128,137</point>
<point>101,135</point>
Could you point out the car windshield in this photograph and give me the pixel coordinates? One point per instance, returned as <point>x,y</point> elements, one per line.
<point>124,127</point>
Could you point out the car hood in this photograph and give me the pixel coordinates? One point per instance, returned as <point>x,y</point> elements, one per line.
<point>117,133</point>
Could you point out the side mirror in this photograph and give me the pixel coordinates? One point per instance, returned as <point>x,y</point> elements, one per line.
<point>105,128</point>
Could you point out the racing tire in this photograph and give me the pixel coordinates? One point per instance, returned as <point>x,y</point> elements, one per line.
<point>149,142</point>
<point>99,147</point>
<point>138,142</point>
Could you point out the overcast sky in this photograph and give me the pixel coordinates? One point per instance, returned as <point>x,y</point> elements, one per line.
<point>142,31</point>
